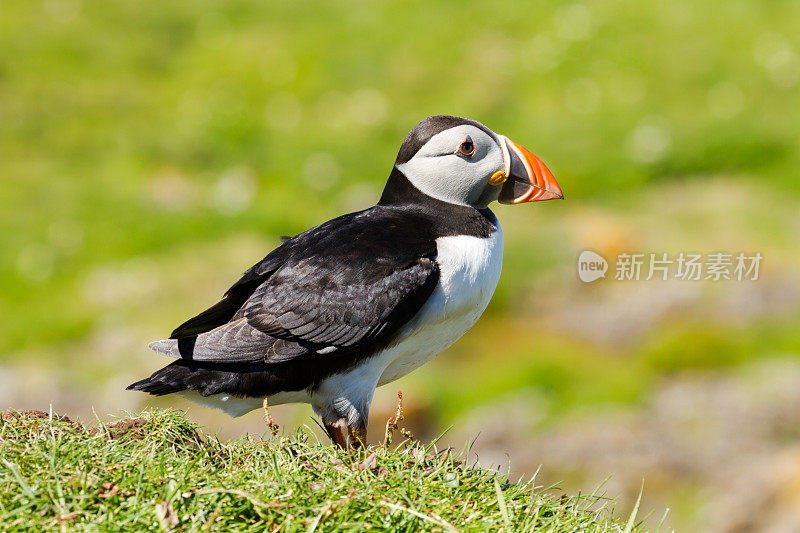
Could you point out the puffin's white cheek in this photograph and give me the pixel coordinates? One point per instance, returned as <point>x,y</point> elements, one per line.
<point>452,178</point>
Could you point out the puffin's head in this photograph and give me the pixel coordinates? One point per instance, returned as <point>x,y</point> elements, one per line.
<point>461,161</point>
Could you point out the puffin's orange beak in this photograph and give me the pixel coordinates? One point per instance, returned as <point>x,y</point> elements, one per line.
<point>527,177</point>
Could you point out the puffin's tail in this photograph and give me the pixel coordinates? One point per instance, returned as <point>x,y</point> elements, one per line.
<point>209,384</point>
<point>175,377</point>
<point>171,378</point>
<point>206,377</point>
<point>228,360</point>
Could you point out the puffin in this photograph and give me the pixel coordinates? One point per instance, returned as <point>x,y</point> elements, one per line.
<point>365,298</point>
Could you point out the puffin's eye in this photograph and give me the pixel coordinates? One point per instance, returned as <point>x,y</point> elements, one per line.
<point>467,148</point>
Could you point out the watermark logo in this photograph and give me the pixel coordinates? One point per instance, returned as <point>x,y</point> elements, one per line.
<point>635,266</point>
<point>591,266</point>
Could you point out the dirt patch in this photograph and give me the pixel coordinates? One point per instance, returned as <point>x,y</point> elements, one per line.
<point>132,428</point>
<point>135,428</point>
<point>30,424</point>
<point>14,415</point>
<point>36,420</point>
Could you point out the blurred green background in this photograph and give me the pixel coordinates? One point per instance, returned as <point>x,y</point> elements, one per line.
<point>149,153</point>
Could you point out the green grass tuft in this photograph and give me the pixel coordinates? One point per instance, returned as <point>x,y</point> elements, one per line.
<point>159,472</point>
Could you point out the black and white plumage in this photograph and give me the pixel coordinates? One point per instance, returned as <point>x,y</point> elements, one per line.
<point>367,297</point>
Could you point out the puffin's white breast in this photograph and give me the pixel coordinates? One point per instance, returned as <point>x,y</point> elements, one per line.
<point>469,269</point>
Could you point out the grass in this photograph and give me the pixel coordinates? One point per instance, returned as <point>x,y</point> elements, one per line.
<point>157,471</point>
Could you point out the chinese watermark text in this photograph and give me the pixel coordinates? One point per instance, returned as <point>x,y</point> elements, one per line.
<point>635,266</point>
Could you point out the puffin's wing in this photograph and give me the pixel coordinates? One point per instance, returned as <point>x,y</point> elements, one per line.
<point>234,342</point>
<point>229,308</point>
<point>332,302</point>
<point>351,281</point>
<point>225,310</point>
<point>297,314</point>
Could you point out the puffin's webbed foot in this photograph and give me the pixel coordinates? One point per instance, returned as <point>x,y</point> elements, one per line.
<point>347,437</point>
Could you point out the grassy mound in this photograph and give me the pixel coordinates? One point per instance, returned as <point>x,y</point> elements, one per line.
<point>157,471</point>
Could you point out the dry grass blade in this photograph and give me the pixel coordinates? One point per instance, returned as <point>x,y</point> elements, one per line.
<point>418,515</point>
<point>274,428</point>
<point>391,422</point>
<point>315,523</point>
<point>167,517</point>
